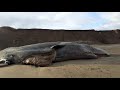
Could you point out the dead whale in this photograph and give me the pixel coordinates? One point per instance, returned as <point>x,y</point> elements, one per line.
<point>43,54</point>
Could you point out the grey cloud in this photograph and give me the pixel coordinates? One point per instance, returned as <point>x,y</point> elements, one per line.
<point>55,20</point>
<point>52,20</point>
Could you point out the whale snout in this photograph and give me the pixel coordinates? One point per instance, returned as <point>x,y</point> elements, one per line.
<point>4,62</point>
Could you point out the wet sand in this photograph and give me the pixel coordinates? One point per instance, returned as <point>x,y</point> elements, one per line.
<point>105,67</point>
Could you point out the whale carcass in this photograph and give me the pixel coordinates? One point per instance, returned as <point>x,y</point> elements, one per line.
<point>44,54</point>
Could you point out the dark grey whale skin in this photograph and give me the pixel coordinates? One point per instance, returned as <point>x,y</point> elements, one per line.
<point>64,51</point>
<point>73,51</point>
<point>18,54</point>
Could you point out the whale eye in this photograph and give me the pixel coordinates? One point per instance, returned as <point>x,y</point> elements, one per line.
<point>11,56</point>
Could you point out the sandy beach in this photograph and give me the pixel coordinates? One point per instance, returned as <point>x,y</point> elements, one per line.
<point>105,67</point>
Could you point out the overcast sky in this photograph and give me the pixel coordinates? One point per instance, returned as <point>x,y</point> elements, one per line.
<point>61,20</point>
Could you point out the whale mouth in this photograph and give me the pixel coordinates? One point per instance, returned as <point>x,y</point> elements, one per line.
<point>4,62</point>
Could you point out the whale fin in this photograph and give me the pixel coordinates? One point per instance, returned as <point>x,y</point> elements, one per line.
<point>57,47</point>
